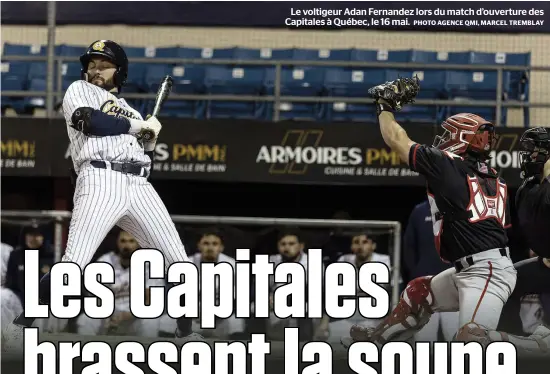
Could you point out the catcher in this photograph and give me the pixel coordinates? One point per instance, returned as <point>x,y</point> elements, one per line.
<point>470,213</point>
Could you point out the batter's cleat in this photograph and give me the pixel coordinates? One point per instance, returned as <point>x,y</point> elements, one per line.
<point>193,337</point>
<point>12,338</point>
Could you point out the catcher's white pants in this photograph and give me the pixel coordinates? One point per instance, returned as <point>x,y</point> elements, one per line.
<point>135,327</point>
<point>104,198</point>
<point>478,292</point>
<point>446,322</point>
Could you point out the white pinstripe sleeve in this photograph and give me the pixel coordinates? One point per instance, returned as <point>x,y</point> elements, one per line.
<point>80,94</point>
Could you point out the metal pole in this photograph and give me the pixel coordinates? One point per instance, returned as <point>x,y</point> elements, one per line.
<point>58,238</point>
<point>51,59</point>
<point>396,264</point>
<point>59,69</point>
<point>277,102</point>
<point>498,117</point>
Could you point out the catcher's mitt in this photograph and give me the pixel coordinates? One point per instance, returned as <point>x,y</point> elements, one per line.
<point>397,93</point>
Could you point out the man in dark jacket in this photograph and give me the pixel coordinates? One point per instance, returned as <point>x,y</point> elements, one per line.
<point>421,259</point>
<point>32,238</point>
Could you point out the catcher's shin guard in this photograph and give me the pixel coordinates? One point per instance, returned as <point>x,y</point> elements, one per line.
<point>411,314</point>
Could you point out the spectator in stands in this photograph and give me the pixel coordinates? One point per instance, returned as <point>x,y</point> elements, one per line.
<point>290,245</point>
<point>6,252</point>
<point>32,238</point>
<point>210,250</point>
<point>122,322</point>
<point>11,305</point>
<point>420,258</point>
<point>363,247</point>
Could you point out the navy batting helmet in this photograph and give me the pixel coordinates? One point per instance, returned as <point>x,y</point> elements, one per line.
<point>114,53</point>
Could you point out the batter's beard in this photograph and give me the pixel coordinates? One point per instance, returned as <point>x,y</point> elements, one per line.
<point>106,85</point>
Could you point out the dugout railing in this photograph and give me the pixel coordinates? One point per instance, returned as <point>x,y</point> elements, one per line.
<point>392,227</point>
<point>54,93</point>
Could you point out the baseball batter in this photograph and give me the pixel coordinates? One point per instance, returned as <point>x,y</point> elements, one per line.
<point>469,205</point>
<point>112,162</point>
<point>122,322</point>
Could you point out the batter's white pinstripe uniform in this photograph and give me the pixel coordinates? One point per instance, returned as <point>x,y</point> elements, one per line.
<point>104,198</point>
<point>121,290</point>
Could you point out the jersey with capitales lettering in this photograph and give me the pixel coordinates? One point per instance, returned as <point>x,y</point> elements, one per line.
<point>533,210</point>
<point>118,148</point>
<point>469,203</point>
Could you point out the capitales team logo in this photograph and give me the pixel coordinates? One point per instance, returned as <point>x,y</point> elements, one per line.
<point>111,108</point>
<point>98,46</point>
<point>301,148</point>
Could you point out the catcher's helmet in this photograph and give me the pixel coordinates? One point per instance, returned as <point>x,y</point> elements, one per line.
<point>111,51</point>
<point>535,151</point>
<point>467,133</point>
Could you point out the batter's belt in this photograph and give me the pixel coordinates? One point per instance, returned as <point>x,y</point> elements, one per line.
<point>125,168</point>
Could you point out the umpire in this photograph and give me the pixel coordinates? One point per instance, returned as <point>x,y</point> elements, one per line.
<point>533,210</point>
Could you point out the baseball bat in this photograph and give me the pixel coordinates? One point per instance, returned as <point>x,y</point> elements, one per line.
<point>162,94</point>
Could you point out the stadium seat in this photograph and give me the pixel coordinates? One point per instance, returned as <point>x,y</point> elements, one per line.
<point>237,53</point>
<point>71,50</point>
<point>300,81</point>
<point>203,53</point>
<point>476,85</point>
<point>23,50</point>
<point>14,78</point>
<point>343,82</point>
<point>19,69</point>
<point>38,70</point>
<point>188,80</point>
<point>246,80</point>
<point>31,103</point>
<point>367,55</point>
<point>432,83</point>
<point>459,58</point>
<point>71,70</point>
<point>167,52</point>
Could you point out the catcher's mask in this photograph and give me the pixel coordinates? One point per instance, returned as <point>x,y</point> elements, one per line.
<point>535,151</point>
<point>467,133</point>
<point>114,53</point>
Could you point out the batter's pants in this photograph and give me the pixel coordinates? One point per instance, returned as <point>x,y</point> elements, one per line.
<point>478,291</point>
<point>533,277</point>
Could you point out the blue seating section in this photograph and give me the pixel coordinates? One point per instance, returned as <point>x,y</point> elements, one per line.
<point>298,80</point>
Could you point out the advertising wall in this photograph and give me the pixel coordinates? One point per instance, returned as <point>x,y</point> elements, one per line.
<point>249,151</point>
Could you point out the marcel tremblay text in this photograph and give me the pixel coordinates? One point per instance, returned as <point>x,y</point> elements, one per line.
<point>305,288</point>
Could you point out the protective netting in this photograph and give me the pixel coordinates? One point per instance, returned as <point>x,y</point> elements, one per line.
<point>266,38</point>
